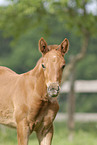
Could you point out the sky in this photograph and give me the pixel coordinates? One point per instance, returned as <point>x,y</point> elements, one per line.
<point>90,7</point>
<point>4,2</point>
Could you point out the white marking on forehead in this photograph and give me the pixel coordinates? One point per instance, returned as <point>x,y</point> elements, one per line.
<point>54,56</point>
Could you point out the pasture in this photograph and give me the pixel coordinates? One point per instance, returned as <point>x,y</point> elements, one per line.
<point>85,134</point>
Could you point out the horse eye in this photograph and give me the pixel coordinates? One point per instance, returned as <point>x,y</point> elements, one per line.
<point>43,66</point>
<point>63,66</point>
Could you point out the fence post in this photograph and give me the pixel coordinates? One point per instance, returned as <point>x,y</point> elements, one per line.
<point>71,105</point>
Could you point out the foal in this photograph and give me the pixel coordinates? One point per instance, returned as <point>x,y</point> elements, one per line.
<point>28,101</point>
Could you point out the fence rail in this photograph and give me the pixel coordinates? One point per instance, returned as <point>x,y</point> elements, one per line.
<point>79,117</point>
<point>81,86</point>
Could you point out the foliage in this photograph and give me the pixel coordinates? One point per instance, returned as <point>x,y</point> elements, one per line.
<point>85,102</point>
<point>29,20</point>
<point>21,16</point>
<point>75,16</point>
<point>84,134</point>
<point>24,54</point>
<point>25,51</point>
<point>87,68</point>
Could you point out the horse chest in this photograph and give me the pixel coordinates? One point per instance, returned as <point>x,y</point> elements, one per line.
<point>45,115</point>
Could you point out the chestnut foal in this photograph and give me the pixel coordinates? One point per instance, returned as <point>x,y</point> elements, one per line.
<point>28,101</point>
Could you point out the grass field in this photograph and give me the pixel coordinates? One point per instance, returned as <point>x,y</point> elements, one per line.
<point>85,134</point>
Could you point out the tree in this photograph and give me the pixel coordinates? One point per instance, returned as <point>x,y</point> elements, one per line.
<point>76,18</point>
<point>21,16</point>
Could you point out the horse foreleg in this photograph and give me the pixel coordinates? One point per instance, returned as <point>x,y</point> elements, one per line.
<point>45,137</point>
<point>23,132</point>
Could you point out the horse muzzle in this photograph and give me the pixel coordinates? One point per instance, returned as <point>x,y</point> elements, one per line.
<point>53,89</point>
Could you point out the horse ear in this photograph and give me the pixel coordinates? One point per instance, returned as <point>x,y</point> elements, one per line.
<point>43,46</point>
<point>64,46</point>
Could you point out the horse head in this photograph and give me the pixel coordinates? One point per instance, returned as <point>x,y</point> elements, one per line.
<point>53,64</point>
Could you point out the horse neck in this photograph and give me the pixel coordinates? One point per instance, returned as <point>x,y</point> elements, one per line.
<point>38,73</point>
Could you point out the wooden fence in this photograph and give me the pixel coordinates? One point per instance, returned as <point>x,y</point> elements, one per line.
<point>81,86</point>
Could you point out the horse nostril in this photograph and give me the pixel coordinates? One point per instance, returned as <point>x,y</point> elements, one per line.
<point>53,87</point>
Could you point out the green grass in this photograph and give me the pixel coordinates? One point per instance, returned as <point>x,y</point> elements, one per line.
<point>85,134</point>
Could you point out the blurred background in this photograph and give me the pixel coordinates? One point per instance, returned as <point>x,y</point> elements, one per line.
<point>22,24</point>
